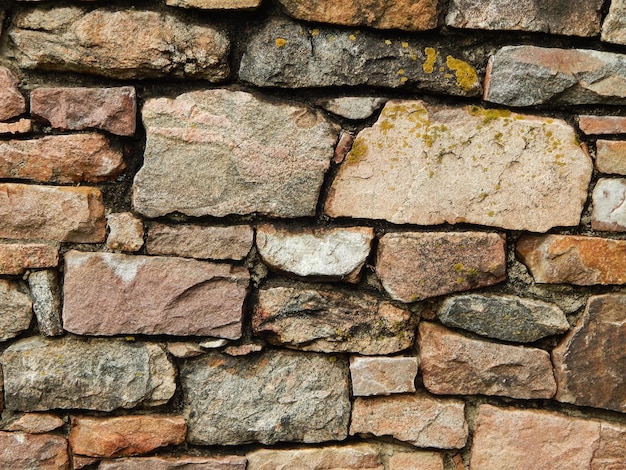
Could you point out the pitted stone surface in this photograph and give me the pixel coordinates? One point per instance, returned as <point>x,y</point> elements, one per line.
<point>182,462</point>
<point>40,451</point>
<point>611,156</point>
<point>249,156</point>
<point>46,294</point>
<point>382,375</point>
<point>350,457</point>
<point>353,107</point>
<point>609,205</point>
<point>12,103</point>
<point>16,258</point>
<point>16,309</point>
<point>614,26</point>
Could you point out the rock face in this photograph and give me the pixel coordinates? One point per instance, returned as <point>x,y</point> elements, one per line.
<point>42,374</point>
<point>176,463</point>
<point>125,232</point>
<point>350,457</point>
<point>592,353</point>
<point>609,208</point>
<point>16,310</point>
<point>228,400</point>
<point>40,451</point>
<point>611,156</point>
<point>352,107</point>
<point>36,423</point>
<point>602,124</point>
<point>338,253</point>
<point>416,265</point>
<point>12,103</point>
<point>289,55</point>
<point>16,258</point>
<point>44,289</point>
<point>504,317</point>
<point>332,320</point>
<point>131,44</point>
<point>249,155</point>
<point>572,259</point>
<point>530,76</point>
<point>186,297</point>
<point>614,26</point>
<point>382,375</point>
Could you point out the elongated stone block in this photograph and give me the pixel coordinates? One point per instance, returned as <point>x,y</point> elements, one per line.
<point>16,258</point>
<point>351,457</point>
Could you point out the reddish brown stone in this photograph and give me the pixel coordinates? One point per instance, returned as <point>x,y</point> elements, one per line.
<point>243,349</point>
<point>592,125</point>
<point>571,259</point>
<point>16,258</point>
<point>22,126</point>
<point>81,462</point>
<point>35,423</point>
<point>61,159</point>
<point>51,213</point>
<point>413,266</point>
<point>26,451</point>
<point>12,103</point>
<point>346,139</point>
<point>183,462</point>
<point>611,156</point>
<point>125,232</point>
<point>351,457</point>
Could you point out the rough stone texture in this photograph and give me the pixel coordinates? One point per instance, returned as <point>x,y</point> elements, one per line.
<point>416,461</point>
<point>413,265</point>
<point>215,4</point>
<point>512,171</point>
<point>338,253</point>
<point>23,126</point>
<point>614,26</point>
<point>42,374</point>
<point>16,258</point>
<point>353,107</point>
<point>124,435</point>
<point>16,309</point>
<point>25,451</point>
<point>571,259</point>
<point>175,463</point>
<point>504,437</point>
<point>382,375</point>
<point>109,294</point>
<point>530,76</point>
<point>12,103</point>
<point>287,54</point>
<point>61,214</point>
<point>408,15</point>
<point>35,423</point>
<point>591,125</point>
<point>590,362</point>
<point>243,349</point>
<point>125,232</point>
<point>184,350</point>
<point>46,295</point>
<point>609,207</point>
<point>419,419</point>
<point>61,159</point>
<point>611,156</point>
<point>349,457</point>
<point>504,317</point>
<point>555,17</point>
<point>332,320</point>
<point>249,155</point>
<point>109,109</point>
<point>197,241</point>
<point>80,461</point>
<point>130,44</point>
<point>270,397</point>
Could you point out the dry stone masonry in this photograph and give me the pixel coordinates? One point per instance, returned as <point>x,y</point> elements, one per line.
<point>284,234</point>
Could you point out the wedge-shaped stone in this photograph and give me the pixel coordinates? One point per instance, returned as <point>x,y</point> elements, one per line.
<point>590,362</point>
<point>512,171</point>
<point>270,397</point>
<point>40,451</point>
<point>248,154</point>
<point>609,205</point>
<point>151,295</point>
<point>382,375</point>
<point>614,26</point>
<point>572,259</point>
<point>42,374</point>
<point>12,103</point>
<point>452,364</point>
<point>332,320</point>
<point>130,43</point>
<point>350,457</point>
<point>530,76</point>
<point>231,462</point>
<point>16,258</point>
<point>611,156</point>
<point>16,309</point>
<point>33,423</point>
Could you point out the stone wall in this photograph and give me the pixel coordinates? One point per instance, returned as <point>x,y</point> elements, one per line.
<point>313,235</point>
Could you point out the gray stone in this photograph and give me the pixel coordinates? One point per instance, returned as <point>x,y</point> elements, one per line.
<point>16,310</point>
<point>248,154</point>
<point>353,107</point>
<point>45,291</point>
<point>609,205</point>
<point>42,374</point>
<point>504,317</point>
<point>270,397</point>
<point>614,26</point>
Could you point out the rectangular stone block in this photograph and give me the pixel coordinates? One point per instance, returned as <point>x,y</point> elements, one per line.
<point>609,209</point>
<point>382,375</point>
<point>350,457</point>
<point>215,4</point>
<point>41,451</point>
<point>596,125</point>
<point>611,156</point>
<point>23,126</point>
<point>16,258</point>
<point>231,462</point>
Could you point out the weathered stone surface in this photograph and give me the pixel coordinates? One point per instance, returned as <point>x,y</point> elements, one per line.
<point>22,126</point>
<point>513,171</point>
<point>183,462</point>
<point>455,365</point>
<point>416,265</point>
<point>35,423</point>
<point>555,17</point>
<point>319,252</point>
<point>110,294</point>
<point>346,139</point>
<point>614,26</point>
<point>419,419</point>
<point>197,241</point>
<point>12,103</point>
<point>332,320</point>
<point>590,362</point>
<point>125,232</point>
<point>270,397</point>
<point>530,76</point>
<point>213,343</point>
<point>184,350</point>
<point>16,258</point>
<point>249,155</point>
<point>288,54</point>
<point>609,208</point>
<point>602,124</point>
<point>42,374</point>
<point>572,259</point>
<point>504,317</point>
<point>130,43</point>
<point>349,457</point>
<point>16,309</point>
<point>124,435</point>
<point>611,156</point>
<point>61,214</point>
<point>243,349</point>
<point>215,4</point>
<point>382,375</point>
<point>416,461</point>
<point>109,109</point>
<point>504,437</point>
<point>409,15</point>
<point>353,107</point>
<point>79,461</point>
<point>46,295</point>
<point>61,159</point>
<point>40,451</point>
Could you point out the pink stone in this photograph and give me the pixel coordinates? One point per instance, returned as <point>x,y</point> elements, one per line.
<point>40,451</point>
<point>361,456</point>
<point>125,232</point>
<point>16,258</point>
<point>382,375</point>
<point>12,103</point>
<point>421,460</point>
<point>591,125</point>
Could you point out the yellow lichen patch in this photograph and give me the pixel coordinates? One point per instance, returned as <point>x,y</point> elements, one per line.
<point>400,72</point>
<point>405,44</point>
<point>280,42</point>
<point>403,80</point>
<point>385,126</point>
<point>466,76</point>
<point>314,32</point>
<point>331,38</point>
<point>388,42</point>
<point>488,115</point>
<point>431,57</point>
<point>352,37</point>
<point>359,149</point>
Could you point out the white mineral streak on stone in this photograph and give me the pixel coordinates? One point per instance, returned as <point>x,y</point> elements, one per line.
<point>124,267</point>
<point>609,205</point>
